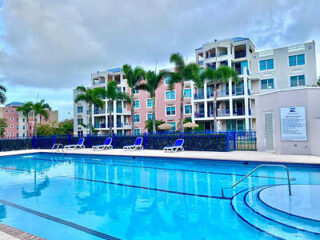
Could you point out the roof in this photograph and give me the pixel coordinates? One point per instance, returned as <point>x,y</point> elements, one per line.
<point>15,104</point>
<point>238,39</point>
<point>115,70</point>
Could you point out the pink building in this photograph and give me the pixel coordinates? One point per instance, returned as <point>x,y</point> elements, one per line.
<point>17,123</point>
<point>167,106</point>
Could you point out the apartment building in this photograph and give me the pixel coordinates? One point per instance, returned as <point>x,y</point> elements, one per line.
<point>259,71</point>
<point>167,106</point>
<point>17,122</point>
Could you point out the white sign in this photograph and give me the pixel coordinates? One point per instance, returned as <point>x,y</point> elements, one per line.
<point>293,124</point>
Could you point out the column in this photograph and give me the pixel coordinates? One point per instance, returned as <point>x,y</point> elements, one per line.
<point>115,116</point>
<point>193,108</point>
<point>230,98</point>
<point>246,97</point>
<point>205,100</point>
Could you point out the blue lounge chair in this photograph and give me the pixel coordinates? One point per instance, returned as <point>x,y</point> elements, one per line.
<point>137,145</point>
<point>177,146</point>
<point>79,145</point>
<point>107,145</point>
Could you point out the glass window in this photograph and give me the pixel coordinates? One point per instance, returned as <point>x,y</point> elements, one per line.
<point>136,118</point>
<point>296,60</point>
<point>136,131</point>
<point>266,64</point>
<point>296,81</point>
<point>149,102</point>
<point>80,121</point>
<point>135,91</point>
<point>170,111</point>
<point>166,80</point>
<point>267,83</point>
<point>170,95</point>
<point>174,125</point>
<point>137,104</point>
<point>79,109</point>
<point>187,109</point>
<point>187,93</point>
<point>149,116</point>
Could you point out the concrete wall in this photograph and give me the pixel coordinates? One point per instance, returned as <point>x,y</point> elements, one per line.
<point>272,102</point>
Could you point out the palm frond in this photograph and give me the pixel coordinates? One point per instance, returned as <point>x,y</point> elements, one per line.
<point>81,89</point>
<point>3,88</point>
<point>177,59</point>
<point>175,77</point>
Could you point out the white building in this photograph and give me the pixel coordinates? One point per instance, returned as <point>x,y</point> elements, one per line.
<point>259,71</point>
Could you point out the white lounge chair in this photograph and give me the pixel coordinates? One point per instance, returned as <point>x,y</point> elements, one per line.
<point>137,145</point>
<point>79,145</point>
<point>107,145</point>
<point>177,146</point>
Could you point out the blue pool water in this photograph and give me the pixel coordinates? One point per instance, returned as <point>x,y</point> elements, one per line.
<point>65,196</point>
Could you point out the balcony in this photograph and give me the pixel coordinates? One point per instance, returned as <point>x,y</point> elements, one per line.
<point>223,113</point>
<point>200,62</point>
<point>199,114</point>
<point>99,111</point>
<point>119,109</point>
<point>239,112</point>
<point>98,82</point>
<point>198,96</point>
<point>240,54</point>
<point>239,91</point>
<point>99,125</point>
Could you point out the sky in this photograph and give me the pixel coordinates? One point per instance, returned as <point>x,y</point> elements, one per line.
<point>48,47</point>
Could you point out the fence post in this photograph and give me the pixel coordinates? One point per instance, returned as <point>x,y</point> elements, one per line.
<point>88,140</point>
<point>234,141</point>
<point>114,140</point>
<point>145,140</point>
<point>33,142</point>
<point>228,147</point>
<point>53,140</point>
<point>69,139</point>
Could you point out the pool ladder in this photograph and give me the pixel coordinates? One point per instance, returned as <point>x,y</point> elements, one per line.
<point>255,169</point>
<point>57,145</point>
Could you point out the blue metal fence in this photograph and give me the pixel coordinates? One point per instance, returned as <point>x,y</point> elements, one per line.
<point>196,141</point>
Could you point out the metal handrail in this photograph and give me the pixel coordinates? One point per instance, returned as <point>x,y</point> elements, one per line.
<point>255,169</point>
<point>57,145</point>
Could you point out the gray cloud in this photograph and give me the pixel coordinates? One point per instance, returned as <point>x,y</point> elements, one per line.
<point>59,43</point>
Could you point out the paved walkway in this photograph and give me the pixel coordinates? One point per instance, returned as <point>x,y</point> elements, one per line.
<point>234,155</point>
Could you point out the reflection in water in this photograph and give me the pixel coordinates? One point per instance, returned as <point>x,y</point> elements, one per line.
<point>37,188</point>
<point>3,212</point>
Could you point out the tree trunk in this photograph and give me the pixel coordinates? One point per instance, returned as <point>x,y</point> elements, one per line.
<point>154,115</point>
<point>181,105</point>
<point>215,106</point>
<point>110,116</point>
<point>132,112</point>
<point>90,118</point>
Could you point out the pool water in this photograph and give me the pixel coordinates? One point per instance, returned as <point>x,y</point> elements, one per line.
<point>69,196</point>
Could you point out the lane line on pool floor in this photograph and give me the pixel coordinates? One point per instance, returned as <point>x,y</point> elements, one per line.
<point>59,220</point>
<point>158,168</point>
<point>147,188</point>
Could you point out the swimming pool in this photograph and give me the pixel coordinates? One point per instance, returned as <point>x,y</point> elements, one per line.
<point>69,196</point>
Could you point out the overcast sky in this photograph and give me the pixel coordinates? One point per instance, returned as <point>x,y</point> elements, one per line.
<point>48,47</point>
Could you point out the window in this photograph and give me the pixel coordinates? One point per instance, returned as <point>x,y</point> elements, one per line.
<point>266,64</point>
<point>166,80</point>
<point>135,91</point>
<point>170,95</point>
<point>23,119</point>
<point>296,60</point>
<point>267,83</point>
<point>174,125</point>
<point>149,116</point>
<point>11,119</point>
<point>80,133</point>
<point>79,109</point>
<point>187,109</point>
<point>149,102</point>
<point>296,81</point>
<point>136,131</point>
<point>80,121</point>
<point>136,118</point>
<point>137,104</point>
<point>23,127</point>
<point>170,111</point>
<point>187,93</point>
<point>23,134</point>
<point>11,126</point>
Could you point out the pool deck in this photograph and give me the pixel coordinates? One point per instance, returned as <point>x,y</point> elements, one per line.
<point>234,155</point>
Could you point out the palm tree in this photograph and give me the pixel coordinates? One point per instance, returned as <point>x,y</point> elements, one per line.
<point>182,73</point>
<point>3,98</point>
<point>40,109</point>
<point>90,96</point>
<point>134,76</point>
<point>111,94</point>
<point>26,109</point>
<point>221,74</point>
<point>153,81</point>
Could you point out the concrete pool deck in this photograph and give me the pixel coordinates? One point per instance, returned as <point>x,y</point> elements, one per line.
<point>234,155</point>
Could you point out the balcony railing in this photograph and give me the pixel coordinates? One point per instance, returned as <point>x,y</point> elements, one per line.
<point>240,54</point>
<point>198,96</point>
<point>223,113</point>
<point>199,114</point>
<point>239,112</point>
<point>119,110</point>
<point>99,111</point>
<point>99,125</point>
<point>238,91</point>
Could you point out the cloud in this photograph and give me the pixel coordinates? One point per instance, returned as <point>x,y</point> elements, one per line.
<point>57,44</point>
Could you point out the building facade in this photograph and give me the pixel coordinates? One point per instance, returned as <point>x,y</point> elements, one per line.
<point>259,72</point>
<point>17,122</point>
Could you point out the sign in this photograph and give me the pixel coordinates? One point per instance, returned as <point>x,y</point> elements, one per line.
<point>293,124</point>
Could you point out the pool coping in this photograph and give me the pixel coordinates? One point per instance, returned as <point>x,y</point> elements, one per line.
<point>11,233</point>
<point>235,156</point>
